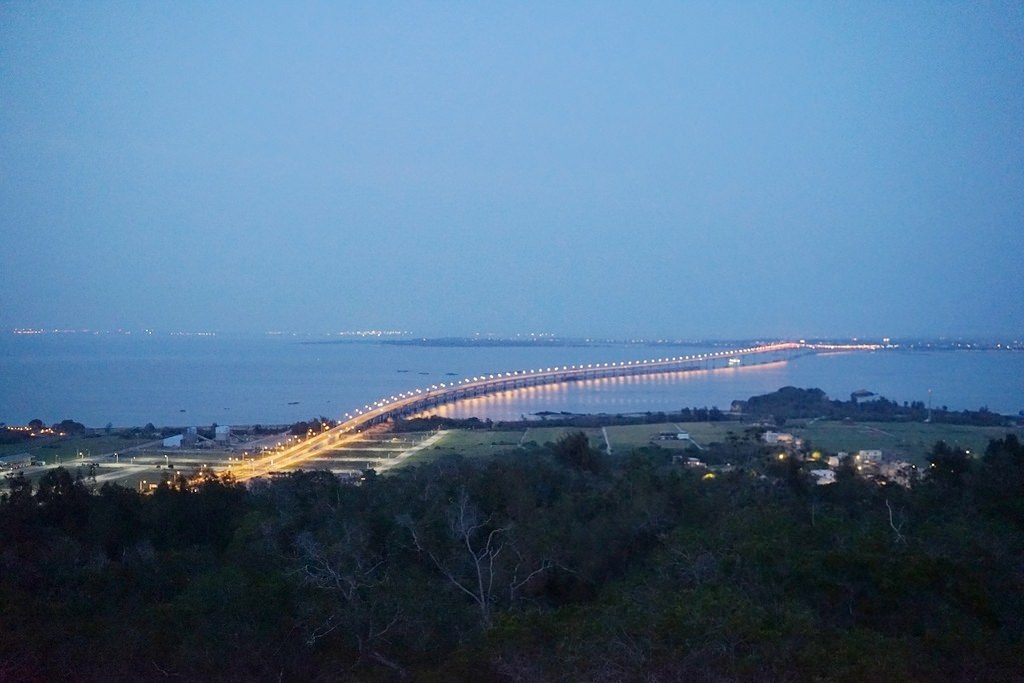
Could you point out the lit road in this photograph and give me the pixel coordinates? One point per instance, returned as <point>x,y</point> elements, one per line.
<point>290,456</point>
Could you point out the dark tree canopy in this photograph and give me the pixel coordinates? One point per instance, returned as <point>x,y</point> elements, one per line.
<point>551,563</point>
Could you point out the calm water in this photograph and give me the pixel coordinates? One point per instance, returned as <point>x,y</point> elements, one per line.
<point>273,380</point>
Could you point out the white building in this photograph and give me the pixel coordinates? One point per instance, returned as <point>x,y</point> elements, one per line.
<point>16,461</point>
<point>823,477</point>
<point>869,456</point>
<point>899,472</point>
<point>773,438</point>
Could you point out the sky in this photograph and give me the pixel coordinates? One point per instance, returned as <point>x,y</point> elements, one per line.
<point>680,169</point>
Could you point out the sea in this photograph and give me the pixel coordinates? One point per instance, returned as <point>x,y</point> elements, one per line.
<point>131,380</point>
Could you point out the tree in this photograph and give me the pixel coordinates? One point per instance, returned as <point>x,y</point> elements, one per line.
<point>354,577</point>
<point>69,427</point>
<point>1000,479</point>
<point>469,563</point>
<point>948,465</point>
<point>20,490</point>
<point>573,449</point>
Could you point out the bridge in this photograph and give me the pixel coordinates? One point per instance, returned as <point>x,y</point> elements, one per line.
<point>417,401</point>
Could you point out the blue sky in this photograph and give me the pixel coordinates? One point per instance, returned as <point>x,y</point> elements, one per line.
<point>585,169</point>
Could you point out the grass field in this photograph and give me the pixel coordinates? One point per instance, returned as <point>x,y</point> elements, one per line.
<point>623,438</point>
<point>627,437</point>
<point>904,441</point>
<point>543,435</point>
<point>898,440</point>
<point>469,443</point>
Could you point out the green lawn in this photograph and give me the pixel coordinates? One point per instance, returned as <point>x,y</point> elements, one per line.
<point>628,437</point>
<point>543,435</point>
<point>902,440</point>
<point>909,441</point>
<point>623,439</point>
<point>469,443</point>
<point>483,443</point>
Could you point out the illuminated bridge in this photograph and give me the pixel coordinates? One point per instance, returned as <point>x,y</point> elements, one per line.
<point>417,401</point>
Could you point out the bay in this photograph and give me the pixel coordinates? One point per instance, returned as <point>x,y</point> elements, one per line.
<point>189,380</point>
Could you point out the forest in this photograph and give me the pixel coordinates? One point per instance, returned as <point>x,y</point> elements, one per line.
<point>554,562</point>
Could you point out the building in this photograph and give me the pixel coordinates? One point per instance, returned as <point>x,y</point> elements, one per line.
<point>899,472</point>
<point>16,461</point>
<point>869,456</point>
<point>222,434</point>
<point>174,441</point>
<point>673,436</point>
<point>773,438</point>
<point>823,477</point>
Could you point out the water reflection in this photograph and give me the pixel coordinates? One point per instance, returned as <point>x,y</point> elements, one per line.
<point>631,394</point>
